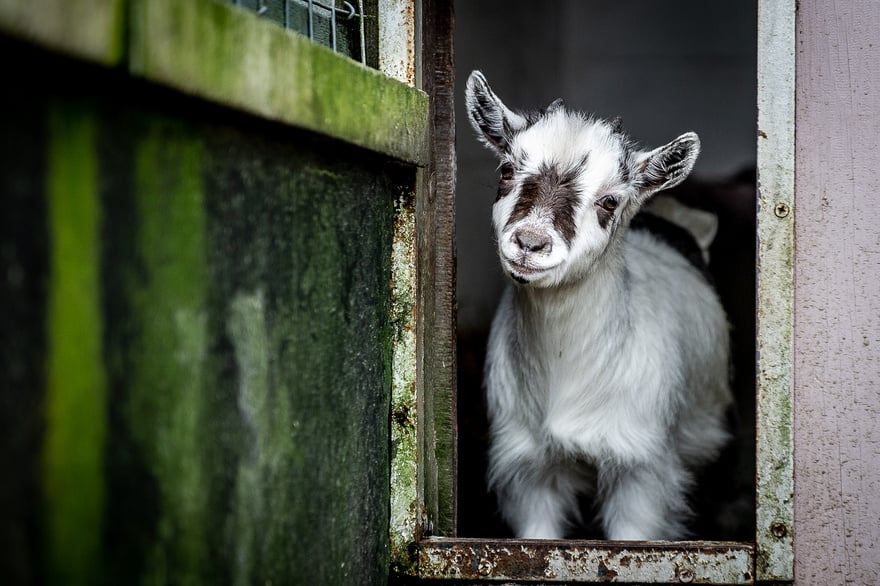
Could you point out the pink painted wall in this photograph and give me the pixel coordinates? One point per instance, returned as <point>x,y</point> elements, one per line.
<point>837,299</point>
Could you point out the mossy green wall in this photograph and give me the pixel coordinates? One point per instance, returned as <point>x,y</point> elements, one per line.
<point>195,356</point>
<point>76,386</point>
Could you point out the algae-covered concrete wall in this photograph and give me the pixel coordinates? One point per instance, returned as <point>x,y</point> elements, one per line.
<point>195,351</point>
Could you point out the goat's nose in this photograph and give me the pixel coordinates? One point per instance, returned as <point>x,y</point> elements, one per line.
<point>532,241</point>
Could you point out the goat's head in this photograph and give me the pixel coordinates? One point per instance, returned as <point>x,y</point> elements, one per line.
<point>569,183</point>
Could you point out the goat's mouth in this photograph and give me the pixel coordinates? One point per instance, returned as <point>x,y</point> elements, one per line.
<point>524,273</point>
<point>518,279</point>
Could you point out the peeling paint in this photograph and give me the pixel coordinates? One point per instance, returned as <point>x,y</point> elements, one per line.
<point>407,515</point>
<point>397,33</point>
<point>586,561</point>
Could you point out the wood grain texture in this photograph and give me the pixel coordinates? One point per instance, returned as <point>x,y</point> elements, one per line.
<point>837,316</point>
<point>435,227</point>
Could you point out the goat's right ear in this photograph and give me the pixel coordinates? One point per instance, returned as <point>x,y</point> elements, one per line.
<point>667,166</point>
<point>495,122</point>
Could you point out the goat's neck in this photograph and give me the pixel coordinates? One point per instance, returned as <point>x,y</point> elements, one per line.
<point>596,301</point>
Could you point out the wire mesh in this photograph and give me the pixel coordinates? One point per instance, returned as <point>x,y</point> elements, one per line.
<point>338,24</point>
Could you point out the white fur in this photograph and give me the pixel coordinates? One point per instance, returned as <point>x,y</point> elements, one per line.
<point>607,372</point>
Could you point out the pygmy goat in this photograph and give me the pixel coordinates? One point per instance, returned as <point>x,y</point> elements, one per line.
<point>607,366</point>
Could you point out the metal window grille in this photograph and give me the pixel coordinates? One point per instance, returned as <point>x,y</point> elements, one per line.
<point>346,26</point>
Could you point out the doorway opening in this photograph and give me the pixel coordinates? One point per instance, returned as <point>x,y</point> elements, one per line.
<point>664,72</point>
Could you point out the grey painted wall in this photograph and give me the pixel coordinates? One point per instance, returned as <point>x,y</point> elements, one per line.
<point>665,67</point>
<point>837,294</point>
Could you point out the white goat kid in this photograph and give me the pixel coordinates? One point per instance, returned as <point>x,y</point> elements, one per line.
<point>607,366</point>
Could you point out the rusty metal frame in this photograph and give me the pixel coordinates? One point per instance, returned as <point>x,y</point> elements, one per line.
<point>770,557</point>
<point>660,562</point>
<point>776,132</point>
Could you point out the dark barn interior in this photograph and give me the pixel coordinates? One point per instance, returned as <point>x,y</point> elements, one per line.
<point>664,72</point>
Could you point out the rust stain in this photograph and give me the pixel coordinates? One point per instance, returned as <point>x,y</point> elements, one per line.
<point>595,561</point>
<point>605,573</point>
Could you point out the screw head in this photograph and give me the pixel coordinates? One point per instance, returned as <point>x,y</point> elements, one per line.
<point>781,210</point>
<point>484,568</point>
<point>778,529</point>
<point>685,575</point>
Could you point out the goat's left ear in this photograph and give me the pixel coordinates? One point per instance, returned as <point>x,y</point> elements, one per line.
<point>666,166</point>
<point>494,121</point>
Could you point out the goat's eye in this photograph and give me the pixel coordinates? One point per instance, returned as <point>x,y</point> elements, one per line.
<point>608,203</point>
<point>507,171</point>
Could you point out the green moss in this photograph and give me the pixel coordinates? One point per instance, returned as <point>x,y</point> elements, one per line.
<point>166,382</point>
<point>337,372</point>
<point>213,50</point>
<point>300,242</point>
<point>218,362</point>
<point>76,381</point>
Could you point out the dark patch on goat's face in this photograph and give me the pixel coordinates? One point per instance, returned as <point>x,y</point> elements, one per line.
<point>504,189</point>
<point>553,192</point>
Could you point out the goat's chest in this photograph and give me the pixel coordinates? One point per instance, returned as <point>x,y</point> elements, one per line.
<point>599,399</point>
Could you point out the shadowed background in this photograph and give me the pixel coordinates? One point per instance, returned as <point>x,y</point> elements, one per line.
<point>665,69</point>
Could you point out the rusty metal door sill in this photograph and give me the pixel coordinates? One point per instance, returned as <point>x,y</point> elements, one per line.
<point>548,561</point>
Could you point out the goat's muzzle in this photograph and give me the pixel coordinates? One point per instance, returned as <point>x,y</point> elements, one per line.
<point>532,241</point>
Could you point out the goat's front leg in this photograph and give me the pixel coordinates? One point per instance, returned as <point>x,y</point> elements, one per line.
<point>538,500</point>
<point>644,501</point>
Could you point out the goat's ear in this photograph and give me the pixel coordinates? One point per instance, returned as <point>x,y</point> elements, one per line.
<point>494,121</point>
<point>554,105</point>
<point>666,166</point>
